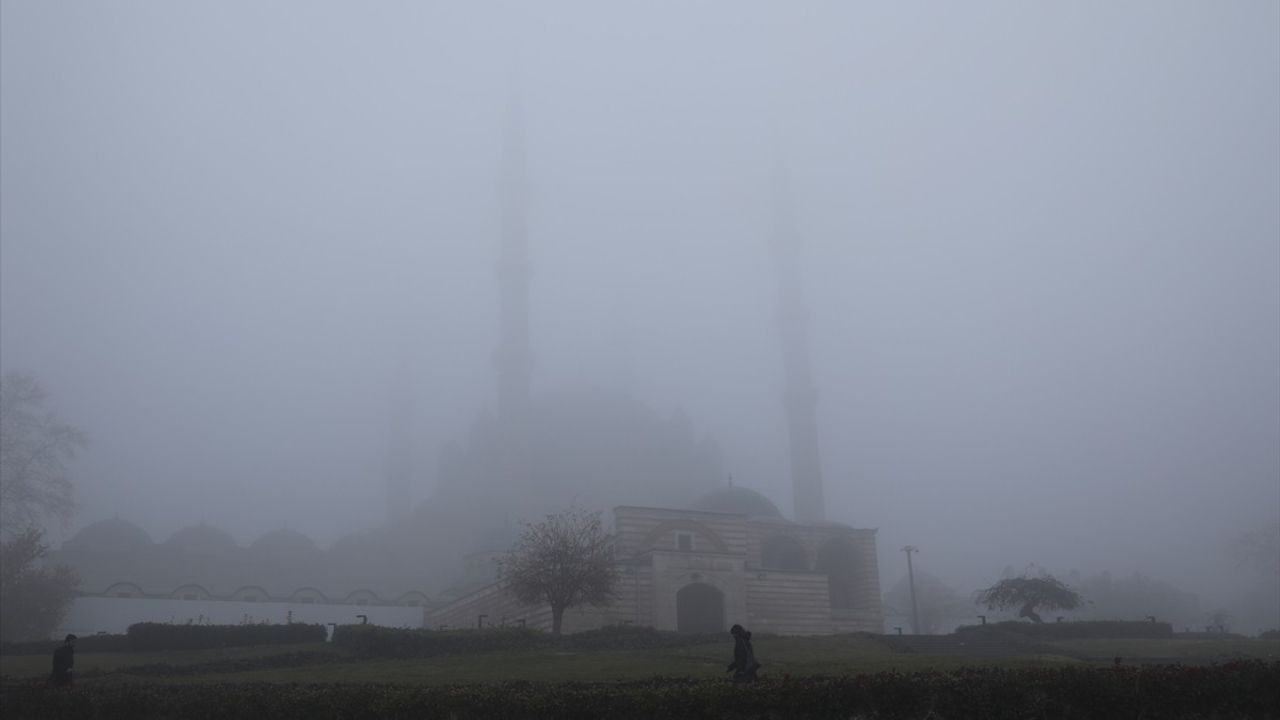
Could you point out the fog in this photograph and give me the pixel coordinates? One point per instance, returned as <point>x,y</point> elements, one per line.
<point>1041,255</point>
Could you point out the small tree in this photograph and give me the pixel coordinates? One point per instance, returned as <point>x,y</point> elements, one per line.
<point>35,447</point>
<point>565,561</point>
<point>33,599</point>
<point>1030,593</point>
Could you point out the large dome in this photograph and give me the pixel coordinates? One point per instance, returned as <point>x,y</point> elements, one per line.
<point>202,540</point>
<point>739,501</point>
<point>114,536</point>
<point>284,544</point>
<point>582,446</point>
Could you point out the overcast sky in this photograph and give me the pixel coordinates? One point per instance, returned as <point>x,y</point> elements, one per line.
<point>1042,253</point>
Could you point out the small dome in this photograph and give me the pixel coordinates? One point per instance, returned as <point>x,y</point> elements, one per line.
<point>739,501</point>
<point>202,540</point>
<point>288,543</point>
<point>111,536</point>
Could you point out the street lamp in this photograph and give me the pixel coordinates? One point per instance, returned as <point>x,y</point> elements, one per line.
<point>911,581</point>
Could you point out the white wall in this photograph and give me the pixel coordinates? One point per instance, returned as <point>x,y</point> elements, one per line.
<point>90,615</point>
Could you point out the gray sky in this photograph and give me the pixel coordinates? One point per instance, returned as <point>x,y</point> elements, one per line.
<point>1042,252</point>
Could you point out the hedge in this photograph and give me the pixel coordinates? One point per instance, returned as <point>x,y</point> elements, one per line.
<point>144,637</point>
<point>84,643</point>
<point>376,641</point>
<point>1247,689</point>
<point>1112,629</point>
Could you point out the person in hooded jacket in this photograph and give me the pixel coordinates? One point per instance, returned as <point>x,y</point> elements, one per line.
<point>744,665</point>
<point>64,658</point>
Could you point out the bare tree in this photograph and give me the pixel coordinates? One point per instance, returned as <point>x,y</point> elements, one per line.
<point>564,561</point>
<point>35,447</point>
<point>33,599</point>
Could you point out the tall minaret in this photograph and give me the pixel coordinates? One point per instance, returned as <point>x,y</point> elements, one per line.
<point>513,358</point>
<point>800,397</point>
<point>399,462</point>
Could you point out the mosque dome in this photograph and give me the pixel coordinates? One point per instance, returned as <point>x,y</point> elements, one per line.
<point>580,446</point>
<point>202,540</point>
<point>739,501</point>
<point>583,446</point>
<point>284,544</point>
<point>113,536</point>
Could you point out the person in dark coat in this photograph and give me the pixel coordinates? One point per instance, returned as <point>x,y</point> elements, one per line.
<point>63,660</point>
<point>744,665</point>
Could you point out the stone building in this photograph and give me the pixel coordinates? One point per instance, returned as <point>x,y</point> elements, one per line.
<point>729,558</point>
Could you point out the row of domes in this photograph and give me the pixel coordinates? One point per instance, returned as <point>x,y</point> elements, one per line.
<point>116,535</point>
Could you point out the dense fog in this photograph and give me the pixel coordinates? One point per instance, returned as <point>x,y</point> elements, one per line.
<point>246,246</point>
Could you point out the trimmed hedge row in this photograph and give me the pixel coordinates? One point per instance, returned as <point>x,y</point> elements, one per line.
<point>144,637</point>
<point>1236,690</point>
<point>376,641</point>
<point>1113,629</point>
<point>86,643</point>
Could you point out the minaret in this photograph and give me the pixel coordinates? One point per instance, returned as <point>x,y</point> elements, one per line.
<point>800,397</point>
<point>513,359</point>
<point>399,462</point>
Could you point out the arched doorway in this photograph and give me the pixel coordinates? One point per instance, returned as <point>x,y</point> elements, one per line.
<point>699,609</point>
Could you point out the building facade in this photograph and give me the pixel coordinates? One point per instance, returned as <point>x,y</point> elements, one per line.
<point>731,558</point>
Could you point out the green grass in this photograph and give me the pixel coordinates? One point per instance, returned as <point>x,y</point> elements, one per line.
<point>95,663</point>
<point>1175,648</point>
<point>795,656</point>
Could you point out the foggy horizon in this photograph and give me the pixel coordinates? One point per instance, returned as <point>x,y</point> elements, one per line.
<point>1041,256</point>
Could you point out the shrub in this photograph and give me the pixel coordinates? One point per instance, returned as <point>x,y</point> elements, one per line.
<point>33,598</point>
<point>376,641</point>
<point>84,643</point>
<point>161,636</point>
<point>1111,629</point>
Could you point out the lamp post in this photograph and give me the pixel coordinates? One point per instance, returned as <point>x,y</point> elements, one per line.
<point>911,582</point>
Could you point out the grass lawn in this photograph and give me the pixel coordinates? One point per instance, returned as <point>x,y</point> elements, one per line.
<point>94,663</point>
<point>1175,648</point>
<point>795,656</point>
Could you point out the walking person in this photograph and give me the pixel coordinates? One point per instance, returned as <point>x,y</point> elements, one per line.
<point>744,665</point>
<point>64,658</point>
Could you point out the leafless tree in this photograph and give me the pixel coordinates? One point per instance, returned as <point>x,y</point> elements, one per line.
<point>35,447</point>
<point>33,599</point>
<point>564,561</point>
